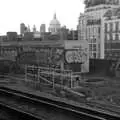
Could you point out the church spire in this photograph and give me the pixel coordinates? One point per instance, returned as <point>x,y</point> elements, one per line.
<point>54,16</point>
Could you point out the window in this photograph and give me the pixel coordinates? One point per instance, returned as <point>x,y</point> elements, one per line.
<point>95,30</point>
<point>108,36</point>
<point>99,30</point>
<point>90,47</point>
<point>94,55</point>
<point>119,26</point>
<point>94,47</point>
<point>114,36</point>
<point>114,26</point>
<point>90,31</point>
<point>119,36</point>
<point>108,27</point>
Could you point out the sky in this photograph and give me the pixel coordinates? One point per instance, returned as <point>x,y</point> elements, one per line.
<point>30,12</point>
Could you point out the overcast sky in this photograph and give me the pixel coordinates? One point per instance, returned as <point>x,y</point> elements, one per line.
<point>14,12</point>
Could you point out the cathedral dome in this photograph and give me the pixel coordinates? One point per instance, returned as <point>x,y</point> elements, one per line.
<point>54,25</point>
<point>54,21</point>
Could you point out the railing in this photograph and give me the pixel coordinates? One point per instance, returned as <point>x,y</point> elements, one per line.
<point>52,76</point>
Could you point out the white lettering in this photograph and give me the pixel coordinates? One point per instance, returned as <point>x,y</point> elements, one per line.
<point>75,56</point>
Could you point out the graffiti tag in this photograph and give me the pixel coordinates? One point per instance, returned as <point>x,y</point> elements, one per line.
<point>75,56</point>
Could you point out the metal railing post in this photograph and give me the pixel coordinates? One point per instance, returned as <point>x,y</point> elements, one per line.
<point>25,73</point>
<point>53,78</point>
<point>38,74</point>
<point>71,78</point>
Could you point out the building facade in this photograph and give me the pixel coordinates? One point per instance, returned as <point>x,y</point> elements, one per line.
<point>82,27</point>
<point>93,37</point>
<point>22,28</point>
<point>91,25</point>
<point>112,34</point>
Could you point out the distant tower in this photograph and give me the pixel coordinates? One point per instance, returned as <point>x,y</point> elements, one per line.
<point>22,28</point>
<point>34,28</point>
<point>28,29</point>
<point>42,28</point>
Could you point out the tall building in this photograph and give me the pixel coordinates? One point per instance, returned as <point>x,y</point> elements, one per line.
<point>22,28</point>
<point>91,25</point>
<point>42,28</point>
<point>82,27</point>
<point>112,34</point>
<point>54,26</point>
<point>34,29</point>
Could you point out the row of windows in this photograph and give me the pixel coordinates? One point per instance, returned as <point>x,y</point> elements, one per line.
<point>92,47</point>
<point>93,31</point>
<point>113,26</point>
<point>92,36</point>
<point>93,40</point>
<point>114,36</point>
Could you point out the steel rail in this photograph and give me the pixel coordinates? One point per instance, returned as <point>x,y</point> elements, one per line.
<point>54,104</point>
<point>20,111</point>
<point>88,104</point>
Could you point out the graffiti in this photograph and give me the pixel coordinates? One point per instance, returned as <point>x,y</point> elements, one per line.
<point>50,56</point>
<point>75,56</point>
<point>9,54</point>
<point>57,55</point>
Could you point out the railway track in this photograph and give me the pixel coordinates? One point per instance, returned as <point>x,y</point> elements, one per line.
<point>44,108</point>
<point>9,112</point>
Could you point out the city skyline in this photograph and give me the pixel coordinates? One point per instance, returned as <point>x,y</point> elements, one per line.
<point>38,12</point>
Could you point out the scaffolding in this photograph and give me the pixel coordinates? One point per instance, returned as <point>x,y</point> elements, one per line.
<point>53,76</point>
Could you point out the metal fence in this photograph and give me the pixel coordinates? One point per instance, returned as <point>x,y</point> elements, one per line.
<point>53,76</point>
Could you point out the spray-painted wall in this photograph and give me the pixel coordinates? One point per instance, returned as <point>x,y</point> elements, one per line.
<point>77,55</point>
